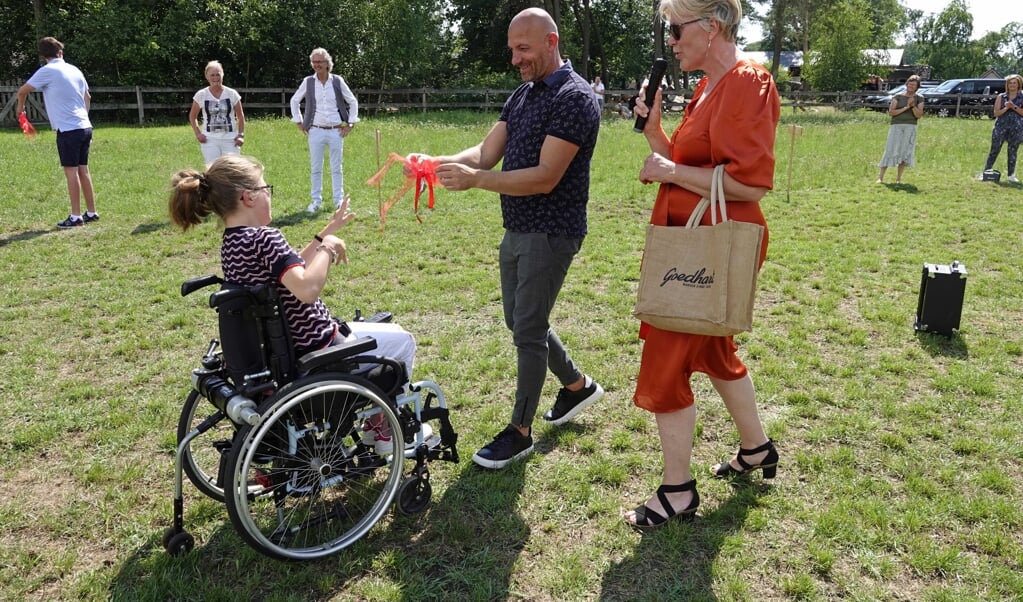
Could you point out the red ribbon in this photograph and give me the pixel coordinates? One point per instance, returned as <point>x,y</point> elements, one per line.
<point>26,125</point>
<point>425,171</point>
<point>419,172</point>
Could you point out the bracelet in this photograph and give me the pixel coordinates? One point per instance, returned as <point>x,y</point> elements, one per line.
<point>318,238</point>
<point>333,253</point>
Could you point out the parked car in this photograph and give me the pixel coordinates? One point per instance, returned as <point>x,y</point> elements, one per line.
<point>973,97</point>
<point>881,102</point>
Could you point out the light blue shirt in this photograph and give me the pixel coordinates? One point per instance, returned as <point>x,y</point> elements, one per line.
<point>64,89</point>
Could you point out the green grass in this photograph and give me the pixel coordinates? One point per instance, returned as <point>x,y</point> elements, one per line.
<point>902,459</point>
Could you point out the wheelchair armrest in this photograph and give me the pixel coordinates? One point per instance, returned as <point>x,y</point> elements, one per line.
<point>190,286</point>
<point>334,354</point>
<point>225,295</point>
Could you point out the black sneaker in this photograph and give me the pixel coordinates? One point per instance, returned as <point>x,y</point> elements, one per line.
<point>71,222</point>
<point>570,403</point>
<point>509,445</point>
<point>90,217</point>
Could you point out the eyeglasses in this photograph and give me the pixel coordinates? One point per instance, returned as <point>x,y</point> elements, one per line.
<point>675,29</point>
<point>268,188</point>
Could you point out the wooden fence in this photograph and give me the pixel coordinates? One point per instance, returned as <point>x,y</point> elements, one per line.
<point>141,104</point>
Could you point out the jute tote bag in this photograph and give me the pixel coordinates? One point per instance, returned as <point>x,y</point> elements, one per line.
<point>701,279</point>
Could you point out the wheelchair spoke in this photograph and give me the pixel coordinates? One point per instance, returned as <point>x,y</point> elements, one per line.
<point>325,488</point>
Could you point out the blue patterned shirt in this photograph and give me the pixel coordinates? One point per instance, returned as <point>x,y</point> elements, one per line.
<point>251,256</point>
<point>561,105</point>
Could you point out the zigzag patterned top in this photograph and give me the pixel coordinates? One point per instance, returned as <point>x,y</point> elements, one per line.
<point>251,256</point>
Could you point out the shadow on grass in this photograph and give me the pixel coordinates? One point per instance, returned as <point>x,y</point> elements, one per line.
<point>470,541</point>
<point>898,187</point>
<point>676,561</point>
<point>23,236</point>
<point>150,227</point>
<point>936,344</point>
<point>212,570</point>
<point>301,216</point>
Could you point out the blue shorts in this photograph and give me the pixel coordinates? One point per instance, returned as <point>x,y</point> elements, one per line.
<point>73,147</point>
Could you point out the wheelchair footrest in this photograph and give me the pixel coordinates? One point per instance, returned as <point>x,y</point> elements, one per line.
<point>380,316</point>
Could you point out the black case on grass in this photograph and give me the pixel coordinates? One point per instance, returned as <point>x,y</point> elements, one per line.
<point>940,305</point>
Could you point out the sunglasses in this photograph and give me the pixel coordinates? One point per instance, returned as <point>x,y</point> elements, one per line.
<point>675,29</point>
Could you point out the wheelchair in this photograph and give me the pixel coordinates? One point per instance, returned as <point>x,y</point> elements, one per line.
<point>282,440</point>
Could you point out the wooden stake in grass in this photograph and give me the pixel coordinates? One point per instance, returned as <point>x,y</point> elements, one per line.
<point>795,131</point>
<point>380,200</point>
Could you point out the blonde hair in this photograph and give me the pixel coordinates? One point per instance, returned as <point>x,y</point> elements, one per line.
<point>1014,76</point>
<point>726,12</point>
<point>212,64</point>
<point>195,195</point>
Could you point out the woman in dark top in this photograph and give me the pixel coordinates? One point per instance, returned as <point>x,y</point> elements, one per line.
<point>1008,113</point>
<point>254,253</point>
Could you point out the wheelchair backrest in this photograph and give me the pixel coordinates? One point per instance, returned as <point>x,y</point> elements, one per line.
<point>254,333</point>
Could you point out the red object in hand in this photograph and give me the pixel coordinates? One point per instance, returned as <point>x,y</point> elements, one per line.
<point>26,126</point>
<point>418,171</point>
<point>426,176</point>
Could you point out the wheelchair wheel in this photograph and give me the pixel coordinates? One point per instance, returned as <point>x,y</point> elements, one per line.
<point>414,495</point>
<point>320,489</point>
<point>201,459</point>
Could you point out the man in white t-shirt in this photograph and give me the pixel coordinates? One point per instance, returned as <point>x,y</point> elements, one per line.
<point>66,96</point>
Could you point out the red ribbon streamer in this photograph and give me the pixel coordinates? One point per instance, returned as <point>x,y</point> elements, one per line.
<point>26,125</point>
<point>420,172</point>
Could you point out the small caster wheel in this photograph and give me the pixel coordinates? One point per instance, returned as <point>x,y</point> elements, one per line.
<point>168,533</point>
<point>178,543</point>
<point>414,495</point>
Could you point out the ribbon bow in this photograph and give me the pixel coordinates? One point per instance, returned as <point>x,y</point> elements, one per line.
<point>420,172</point>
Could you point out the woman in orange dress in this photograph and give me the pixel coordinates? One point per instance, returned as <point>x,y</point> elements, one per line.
<point>731,120</point>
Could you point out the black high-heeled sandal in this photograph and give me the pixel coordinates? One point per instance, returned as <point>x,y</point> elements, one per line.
<point>647,518</point>
<point>769,465</point>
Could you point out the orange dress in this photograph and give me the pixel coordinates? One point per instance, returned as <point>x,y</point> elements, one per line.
<point>734,124</point>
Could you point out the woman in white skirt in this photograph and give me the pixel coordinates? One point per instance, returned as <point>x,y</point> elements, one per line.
<point>900,150</point>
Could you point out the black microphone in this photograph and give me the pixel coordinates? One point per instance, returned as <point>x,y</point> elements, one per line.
<point>656,75</point>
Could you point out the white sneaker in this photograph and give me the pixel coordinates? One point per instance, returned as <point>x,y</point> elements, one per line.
<point>313,207</point>
<point>373,438</point>
<point>1014,179</point>
<point>381,444</point>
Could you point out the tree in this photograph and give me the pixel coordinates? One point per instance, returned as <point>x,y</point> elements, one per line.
<point>946,46</point>
<point>1003,50</point>
<point>839,37</point>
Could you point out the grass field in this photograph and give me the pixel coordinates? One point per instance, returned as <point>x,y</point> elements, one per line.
<point>902,459</point>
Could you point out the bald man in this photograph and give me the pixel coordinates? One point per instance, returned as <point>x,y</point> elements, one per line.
<point>545,135</point>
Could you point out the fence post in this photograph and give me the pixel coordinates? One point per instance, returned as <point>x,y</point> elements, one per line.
<point>142,108</point>
<point>424,101</point>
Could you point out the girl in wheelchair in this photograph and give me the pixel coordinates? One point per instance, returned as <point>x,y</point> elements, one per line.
<point>253,252</point>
